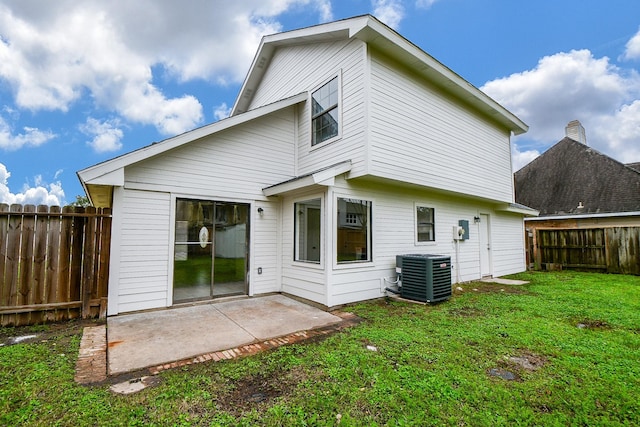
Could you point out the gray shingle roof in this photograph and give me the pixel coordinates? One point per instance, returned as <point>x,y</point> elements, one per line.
<point>635,166</point>
<point>572,178</point>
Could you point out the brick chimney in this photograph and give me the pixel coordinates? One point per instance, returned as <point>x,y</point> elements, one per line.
<point>575,131</point>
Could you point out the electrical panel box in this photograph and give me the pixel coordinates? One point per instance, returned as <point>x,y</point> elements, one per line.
<point>464,224</point>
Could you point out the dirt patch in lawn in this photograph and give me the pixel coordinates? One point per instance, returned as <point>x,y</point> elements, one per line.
<point>256,391</point>
<point>527,360</point>
<point>486,288</point>
<point>593,324</point>
<point>511,368</point>
<point>60,332</point>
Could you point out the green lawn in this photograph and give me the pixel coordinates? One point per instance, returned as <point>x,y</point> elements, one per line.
<point>405,364</point>
<point>197,271</point>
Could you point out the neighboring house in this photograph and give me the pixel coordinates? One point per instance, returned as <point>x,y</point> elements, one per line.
<point>578,188</point>
<point>346,146</point>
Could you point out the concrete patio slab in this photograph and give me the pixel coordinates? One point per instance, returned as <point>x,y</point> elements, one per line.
<point>276,316</point>
<point>141,340</point>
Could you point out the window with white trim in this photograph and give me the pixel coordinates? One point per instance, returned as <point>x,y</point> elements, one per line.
<point>354,230</point>
<point>425,224</point>
<point>325,112</point>
<point>308,219</point>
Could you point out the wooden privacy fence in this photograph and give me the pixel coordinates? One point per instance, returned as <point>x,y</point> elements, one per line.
<point>611,250</point>
<point>54,263</point>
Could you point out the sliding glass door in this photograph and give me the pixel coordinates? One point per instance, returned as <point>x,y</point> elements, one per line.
<point>211,249</point>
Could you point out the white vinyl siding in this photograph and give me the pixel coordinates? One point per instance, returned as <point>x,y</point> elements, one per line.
<point>144,250</point>
<point>264,248</point>
<point>507,244</point>
<point>289,73</point>
<point>303,279</point>
<point>394,234</point>
<point>420,135</point>
<point>232,165</point>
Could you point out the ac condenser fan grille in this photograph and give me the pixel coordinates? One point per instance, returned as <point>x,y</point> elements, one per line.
<point>426,278</point>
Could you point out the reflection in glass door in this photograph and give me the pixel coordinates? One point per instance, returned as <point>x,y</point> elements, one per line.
<point>210,256</point>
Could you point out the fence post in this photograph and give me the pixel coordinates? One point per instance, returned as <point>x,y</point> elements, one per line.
<point>40,254</point>
<point>54,243</point>
<point>102,276</point>
<point>4,229</point>
<point>13,253</point>
<point>88,259</point>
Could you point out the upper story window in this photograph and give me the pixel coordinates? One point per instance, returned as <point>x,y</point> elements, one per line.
<point>425,224</point>
<point>325,112</point>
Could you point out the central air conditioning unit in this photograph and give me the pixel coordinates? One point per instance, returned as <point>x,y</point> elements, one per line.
<point>425,277</point>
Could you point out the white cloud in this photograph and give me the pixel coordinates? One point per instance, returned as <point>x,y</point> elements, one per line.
<point>31,137</point>
<point>391,12</point>
<point>326,13</point>
<point>42,194</point>
<point>425,3</point>
<point>222,111</point>
<point>521,158</point>
<point>632,48</point>
<point>574,85</point>
<point>106,134</point>
<point>621,131</point>
<point>54,55</point>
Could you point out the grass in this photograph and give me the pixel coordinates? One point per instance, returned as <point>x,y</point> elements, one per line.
<point>197,271</point>
<point>405,364</point>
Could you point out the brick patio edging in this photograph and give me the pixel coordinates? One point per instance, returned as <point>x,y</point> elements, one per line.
<point>348,319</point>
<point>91,366</point>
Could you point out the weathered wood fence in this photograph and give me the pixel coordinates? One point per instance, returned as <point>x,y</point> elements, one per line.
<point>611,250</point>
<point>54,263</point>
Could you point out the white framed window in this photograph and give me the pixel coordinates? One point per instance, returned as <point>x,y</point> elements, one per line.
<point>325,112</point>
<point>425,224</point>
<point>353,222</point>
<point>308,230</point>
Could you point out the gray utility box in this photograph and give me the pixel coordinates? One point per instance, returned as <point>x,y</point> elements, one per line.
<point>425,277</point>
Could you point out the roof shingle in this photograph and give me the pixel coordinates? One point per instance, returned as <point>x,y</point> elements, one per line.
<point>573,178</point>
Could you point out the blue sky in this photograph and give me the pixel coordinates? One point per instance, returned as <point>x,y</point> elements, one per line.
<point>82,82</point>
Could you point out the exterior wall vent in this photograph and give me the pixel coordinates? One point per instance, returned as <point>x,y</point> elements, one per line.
<point>425,277</point>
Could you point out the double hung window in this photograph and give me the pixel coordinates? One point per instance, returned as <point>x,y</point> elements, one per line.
<point>425,224</point>
<point>325,112</point>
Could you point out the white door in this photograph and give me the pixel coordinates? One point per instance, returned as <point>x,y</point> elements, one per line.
<point>485,246</point>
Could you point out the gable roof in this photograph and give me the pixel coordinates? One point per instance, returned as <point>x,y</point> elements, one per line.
<point>97,180</point>
<point>574,179</point>
<point>376,34</point>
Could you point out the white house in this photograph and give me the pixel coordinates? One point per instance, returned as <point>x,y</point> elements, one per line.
<point>347,146</point>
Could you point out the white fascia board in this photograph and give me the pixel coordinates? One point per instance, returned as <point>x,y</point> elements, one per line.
<point>114,178</point>
<point>92,173</point>
<point>519,209</point>
<point>324,177</point>
<point>316,34</point>
<point>378,34</point>
<point>285,187</point>
<point>585,216</point>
